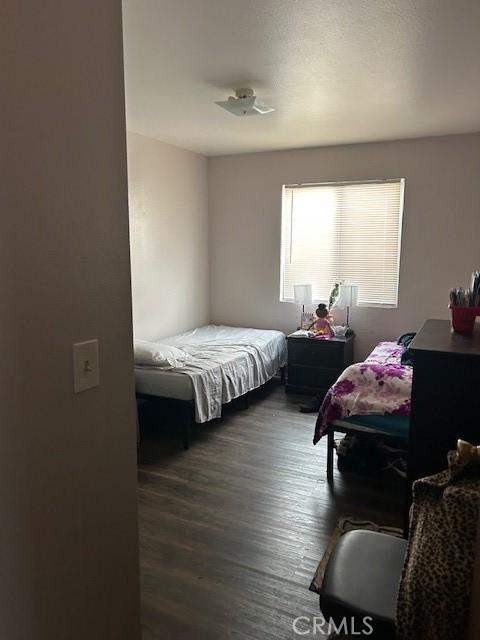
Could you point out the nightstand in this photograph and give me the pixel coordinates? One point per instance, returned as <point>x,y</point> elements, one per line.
<point>314,365</point>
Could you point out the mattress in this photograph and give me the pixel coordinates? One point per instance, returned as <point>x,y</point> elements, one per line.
<point>158,382</point>
<point>379,387</point>
<point>219,334</point>
<point>391,425</point>
<point>221,364</point>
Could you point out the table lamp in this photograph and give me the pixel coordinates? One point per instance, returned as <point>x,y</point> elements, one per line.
<point>302,294</point>
<point>348,296</point>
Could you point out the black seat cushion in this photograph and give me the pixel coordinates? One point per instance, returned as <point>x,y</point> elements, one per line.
<point>362,578</point>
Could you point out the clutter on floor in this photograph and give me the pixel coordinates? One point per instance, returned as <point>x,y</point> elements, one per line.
<point>371,455</point>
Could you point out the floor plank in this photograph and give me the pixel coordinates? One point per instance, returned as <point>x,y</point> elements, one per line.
<point>231,531</point>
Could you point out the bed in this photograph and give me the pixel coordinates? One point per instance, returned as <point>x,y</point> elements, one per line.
<point>370,397</point>
<point>216,365</point>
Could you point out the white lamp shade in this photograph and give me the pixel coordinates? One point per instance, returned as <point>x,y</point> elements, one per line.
<point>348,295</point>
<point>302,293</point>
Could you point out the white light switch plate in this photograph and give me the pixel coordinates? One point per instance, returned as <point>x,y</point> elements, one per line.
<point>85,365</point>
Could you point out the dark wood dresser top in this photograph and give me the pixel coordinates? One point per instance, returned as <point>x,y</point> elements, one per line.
<point>437,336</point>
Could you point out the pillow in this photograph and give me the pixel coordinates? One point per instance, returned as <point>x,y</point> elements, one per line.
<point>155,354</point>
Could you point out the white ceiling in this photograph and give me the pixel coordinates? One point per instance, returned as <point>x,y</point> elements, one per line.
<point>336,71</point>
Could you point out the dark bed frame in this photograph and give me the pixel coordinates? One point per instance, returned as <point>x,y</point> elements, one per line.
<point>353,429</point>
<point>186,408</point>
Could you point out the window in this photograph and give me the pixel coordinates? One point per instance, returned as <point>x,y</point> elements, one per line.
<point>343,231</point>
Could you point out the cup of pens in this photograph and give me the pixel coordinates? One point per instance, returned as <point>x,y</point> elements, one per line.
<point>465,305</point>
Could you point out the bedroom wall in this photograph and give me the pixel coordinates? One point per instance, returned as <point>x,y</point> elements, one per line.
<point>68,535</point>
<point>169,237</point>
<point>440,231</point>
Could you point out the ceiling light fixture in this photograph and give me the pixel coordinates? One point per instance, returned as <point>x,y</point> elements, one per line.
<point>245,103</point>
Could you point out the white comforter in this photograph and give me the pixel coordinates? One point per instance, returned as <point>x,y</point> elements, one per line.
<point>224,363</point>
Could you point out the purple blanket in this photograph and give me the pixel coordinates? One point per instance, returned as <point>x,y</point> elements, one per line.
<point>378,386</point>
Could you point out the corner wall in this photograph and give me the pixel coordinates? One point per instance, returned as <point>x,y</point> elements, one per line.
<point>169,237</point>
<point>441,227</point>
<point>68,535</point>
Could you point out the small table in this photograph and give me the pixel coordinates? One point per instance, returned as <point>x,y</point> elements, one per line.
<point>315,364</point>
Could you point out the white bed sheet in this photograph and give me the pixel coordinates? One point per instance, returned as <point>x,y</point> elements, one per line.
<point>222,363</point>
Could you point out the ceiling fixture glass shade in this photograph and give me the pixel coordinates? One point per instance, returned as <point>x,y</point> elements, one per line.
<point>244,103</point>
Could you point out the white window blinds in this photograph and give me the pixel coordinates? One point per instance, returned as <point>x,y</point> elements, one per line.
<point>343,231</point>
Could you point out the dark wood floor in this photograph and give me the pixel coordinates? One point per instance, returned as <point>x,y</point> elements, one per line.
<point>232,530</point>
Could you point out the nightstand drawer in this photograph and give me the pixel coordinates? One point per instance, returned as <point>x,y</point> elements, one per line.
<point>307,352</point>
<point>314,365</point>
<point>301,375</point>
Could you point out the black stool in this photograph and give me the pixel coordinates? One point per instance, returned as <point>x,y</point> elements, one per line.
<point>361,581</point>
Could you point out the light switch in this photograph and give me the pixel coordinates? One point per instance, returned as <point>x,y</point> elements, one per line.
<point>85,365</point>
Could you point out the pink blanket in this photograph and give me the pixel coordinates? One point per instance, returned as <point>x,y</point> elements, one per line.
<point>378,386</point>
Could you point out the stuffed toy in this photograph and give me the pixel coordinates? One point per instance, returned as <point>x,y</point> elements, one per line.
<point>322,325</point>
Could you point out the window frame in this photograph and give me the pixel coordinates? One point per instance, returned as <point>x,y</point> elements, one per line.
<point>401,181</point>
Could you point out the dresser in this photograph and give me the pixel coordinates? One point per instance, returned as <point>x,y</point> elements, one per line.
<point>445,396</point>
<point>314,365</point>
